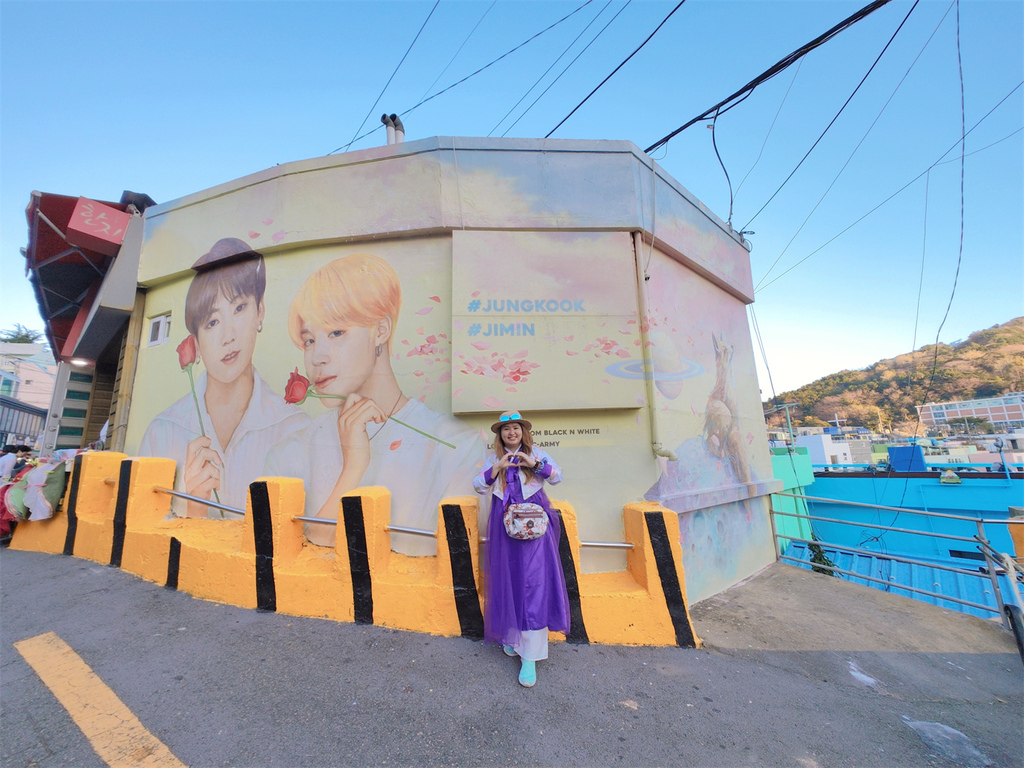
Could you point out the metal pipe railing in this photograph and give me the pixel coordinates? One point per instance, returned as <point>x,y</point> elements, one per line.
<point>968,539</point>
<point>207,502</point>
<point>882,556</point>
<point>923,512</point>
<point>890,584</point>
<point>433,534</point>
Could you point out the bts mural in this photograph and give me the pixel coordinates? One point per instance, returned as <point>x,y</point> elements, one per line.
<point>218,433</point>
<point>343,320</point>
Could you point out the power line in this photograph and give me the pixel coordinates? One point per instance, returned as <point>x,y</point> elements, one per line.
<point>550,67</point>
<point>859,143</point>
<point>634,53</point>
<point>783,63</point>
<point>567,67</point>
<point>898,191</point>
<point>456,54</point>
<point>833,120</point>
<point>381,94</point>
<point>485,66</point>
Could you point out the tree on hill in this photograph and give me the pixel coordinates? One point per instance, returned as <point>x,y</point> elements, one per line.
<point>986,364</point>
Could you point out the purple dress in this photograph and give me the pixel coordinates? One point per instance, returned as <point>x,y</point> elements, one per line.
<point>524,582</point>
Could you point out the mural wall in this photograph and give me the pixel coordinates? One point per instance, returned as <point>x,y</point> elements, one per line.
<point>295,353</point>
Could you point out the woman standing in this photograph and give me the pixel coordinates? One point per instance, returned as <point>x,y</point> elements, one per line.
<point>525,585</point>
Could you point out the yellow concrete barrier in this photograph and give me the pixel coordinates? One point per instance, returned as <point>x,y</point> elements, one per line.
<point>264,561</point>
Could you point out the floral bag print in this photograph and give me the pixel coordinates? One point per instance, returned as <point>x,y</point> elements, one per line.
<point>525,521</point>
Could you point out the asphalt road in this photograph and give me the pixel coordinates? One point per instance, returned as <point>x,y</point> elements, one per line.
<point>221,685</point>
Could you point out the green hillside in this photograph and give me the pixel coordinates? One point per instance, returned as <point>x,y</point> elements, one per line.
<point>987,363</point>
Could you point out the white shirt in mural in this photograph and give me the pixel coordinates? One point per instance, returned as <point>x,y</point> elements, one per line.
<point>267,420</point>
<point>418,471</point>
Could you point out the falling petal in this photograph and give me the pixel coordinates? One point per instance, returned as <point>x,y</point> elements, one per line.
<point>631,322</point>
<point>638,417</point>
<point>458,392</point>
<point>492,402</point>
<point>422,398</point>
<point>605,381</point>
<point>432,339</point>
<point>458,324</point>
<point>481,345</point>
<point>267,222</point>
<point>569,338</point>
<point>474,294</point>
<point>417,373</point>
<point>520,354</point>
<point>253,235</point>
<point>424,311</point>
<point>511,389</point>
<point>278,236</point>
<point>750,438</point>
<point>420,331</point>
<point>405,341</point>
<point>570,353</point>
<point>626,331</point>
<point>396,445</point>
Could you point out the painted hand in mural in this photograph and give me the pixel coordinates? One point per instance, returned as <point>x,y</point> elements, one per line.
<point>202,474</point>
<point>353,417</point>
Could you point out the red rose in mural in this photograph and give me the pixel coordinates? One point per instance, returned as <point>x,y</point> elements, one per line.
<point>296,388</point>
<point>187,351</point>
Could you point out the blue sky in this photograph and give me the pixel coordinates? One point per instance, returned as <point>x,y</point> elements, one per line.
<point>169,98</point>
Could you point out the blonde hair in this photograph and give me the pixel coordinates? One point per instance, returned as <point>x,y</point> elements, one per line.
<point>353,291</point>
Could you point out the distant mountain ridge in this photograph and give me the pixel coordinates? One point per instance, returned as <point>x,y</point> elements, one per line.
<point>987,363</point>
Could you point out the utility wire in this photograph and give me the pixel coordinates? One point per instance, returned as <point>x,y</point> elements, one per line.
<point>771,127</point>
<point>856,148</point>
<point>456,55</point>
<point>897,192</point>
<point>621,65</point>
<point>474,74</point>
<point>567,67</point>
<point>550,67</point>
<point>381,94</point>
<point>832,122</point>
<point>739,96</point>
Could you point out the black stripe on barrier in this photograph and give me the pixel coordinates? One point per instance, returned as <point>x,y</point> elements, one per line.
<point>72,510</point>
<point>467,599</point>
<point>124,483</point>
<point>662,549</point>
<point>263,532</point>
<point>173,563</point>
<point>577,629</point>
<point>358,559</point>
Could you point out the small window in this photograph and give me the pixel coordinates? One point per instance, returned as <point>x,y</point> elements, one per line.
<point>85,378</point>
<point>74,413</point>
<point>70,432</point>
<point>159,329</point>
<point>73,394</point>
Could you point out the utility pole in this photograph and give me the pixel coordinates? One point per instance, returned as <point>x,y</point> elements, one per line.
<point>785,407</point>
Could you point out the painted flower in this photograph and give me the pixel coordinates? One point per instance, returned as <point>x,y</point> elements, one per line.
<point>297,388</point>
<point>187,351</point>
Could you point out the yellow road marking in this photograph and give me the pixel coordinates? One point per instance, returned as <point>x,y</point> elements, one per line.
<point>114,732</point>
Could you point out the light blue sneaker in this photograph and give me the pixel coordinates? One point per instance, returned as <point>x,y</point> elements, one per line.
<point>528,674</point>
<point>509,650</point>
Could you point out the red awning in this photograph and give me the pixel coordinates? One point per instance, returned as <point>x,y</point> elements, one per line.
<point>65,277</point>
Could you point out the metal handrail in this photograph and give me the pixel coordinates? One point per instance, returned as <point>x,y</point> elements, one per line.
<point>968,539</point>
<point>897,509</point>
<point>837,569</point>
<point>433,534</point>
<point>881,556</point>
<point>207,502</point>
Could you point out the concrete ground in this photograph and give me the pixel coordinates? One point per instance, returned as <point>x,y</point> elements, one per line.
<point>798,670</point>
